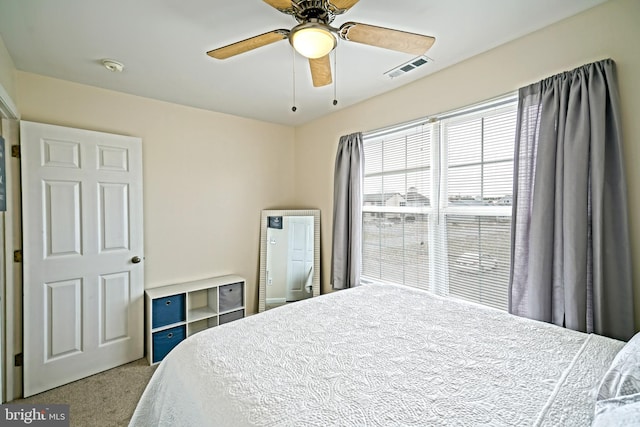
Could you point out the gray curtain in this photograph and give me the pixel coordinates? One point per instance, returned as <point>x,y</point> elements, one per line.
<point>347,213</point>
<point>571,263</point>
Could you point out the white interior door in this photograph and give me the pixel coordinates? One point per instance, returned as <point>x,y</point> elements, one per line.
<point>82,247</point>
<point>300,258</point>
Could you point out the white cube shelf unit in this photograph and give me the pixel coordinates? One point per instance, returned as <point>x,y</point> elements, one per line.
<point>175,312</point>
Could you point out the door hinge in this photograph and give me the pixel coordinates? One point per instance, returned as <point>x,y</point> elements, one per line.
<point>17,256</point>
<point>18,360</point>
<point>15,151</point>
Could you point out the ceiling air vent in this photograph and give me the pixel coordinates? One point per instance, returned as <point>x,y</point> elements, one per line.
<point>408,66</point>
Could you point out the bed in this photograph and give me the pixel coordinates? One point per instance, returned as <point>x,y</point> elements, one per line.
<point>380,355</point>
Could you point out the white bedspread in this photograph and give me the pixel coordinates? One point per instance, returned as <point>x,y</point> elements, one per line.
<point>379,355</point>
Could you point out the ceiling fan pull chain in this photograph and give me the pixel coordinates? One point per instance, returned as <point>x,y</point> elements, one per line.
<point>293,62</point>
<point>335,77</point>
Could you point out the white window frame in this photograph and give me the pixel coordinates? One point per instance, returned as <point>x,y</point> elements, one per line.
<point>440,208</point>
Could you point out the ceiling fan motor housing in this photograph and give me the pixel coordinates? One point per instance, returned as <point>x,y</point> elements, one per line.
<point>320,10</point>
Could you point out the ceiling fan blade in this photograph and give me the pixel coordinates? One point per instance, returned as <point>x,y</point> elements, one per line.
<point>248,44</point>
<point>343,5</point>
<point>402,41</point>
<point>321,71</point>
<point>282,5</point>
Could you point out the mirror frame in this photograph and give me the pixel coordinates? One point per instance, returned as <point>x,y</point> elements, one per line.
<point>315,283</point>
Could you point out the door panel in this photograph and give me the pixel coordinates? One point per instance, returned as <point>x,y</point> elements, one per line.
<point>82,212</point>
<point>114,216</point>
<point>300,258</point>
<point>61,153</point>
<point>61,218</point>
<point>114,303</point>
<point>63,319</point>
<point>113,158</point>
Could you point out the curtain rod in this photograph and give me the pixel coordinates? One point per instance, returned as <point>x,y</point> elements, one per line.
<point>492,103</point>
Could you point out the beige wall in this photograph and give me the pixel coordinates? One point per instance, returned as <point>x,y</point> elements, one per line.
<point>207,175</point>
<point>610,30</point>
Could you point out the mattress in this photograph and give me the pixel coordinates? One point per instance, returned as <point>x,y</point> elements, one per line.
<point>379,355</point>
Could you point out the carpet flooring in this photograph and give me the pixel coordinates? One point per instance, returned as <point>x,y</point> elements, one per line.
<point>107,399</point>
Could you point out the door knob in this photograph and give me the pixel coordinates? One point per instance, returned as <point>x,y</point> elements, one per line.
<point>136,259</point>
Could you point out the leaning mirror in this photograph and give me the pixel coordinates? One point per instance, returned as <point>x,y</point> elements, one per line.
<point>289,256</point>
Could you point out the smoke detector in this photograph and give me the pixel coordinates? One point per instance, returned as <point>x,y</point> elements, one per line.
<point>112,65</point>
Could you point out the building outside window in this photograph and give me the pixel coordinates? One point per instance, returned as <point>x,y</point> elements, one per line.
<point>437,203</point>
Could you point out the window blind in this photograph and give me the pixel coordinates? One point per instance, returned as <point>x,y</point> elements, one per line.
<point>437,204</point>
<point>397,202</point>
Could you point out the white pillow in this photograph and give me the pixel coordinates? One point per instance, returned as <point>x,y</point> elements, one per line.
<point>623,376</point>
<point>619,411</point>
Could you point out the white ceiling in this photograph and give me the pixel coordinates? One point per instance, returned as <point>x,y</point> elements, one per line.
<point>163,43</point>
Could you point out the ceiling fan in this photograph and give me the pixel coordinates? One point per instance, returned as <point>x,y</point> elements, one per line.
<point>314,38</point>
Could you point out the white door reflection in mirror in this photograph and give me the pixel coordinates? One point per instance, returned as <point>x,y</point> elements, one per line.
<point>300,268</point>
<point>289,260</point>
<point>289,256</point>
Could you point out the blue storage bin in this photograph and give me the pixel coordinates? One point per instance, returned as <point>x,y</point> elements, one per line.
<point>168,310</point>
<point>165,341</point>
<point>231,297</point>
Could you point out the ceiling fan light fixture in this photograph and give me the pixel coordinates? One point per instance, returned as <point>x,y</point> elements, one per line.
<point>312,40</point>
